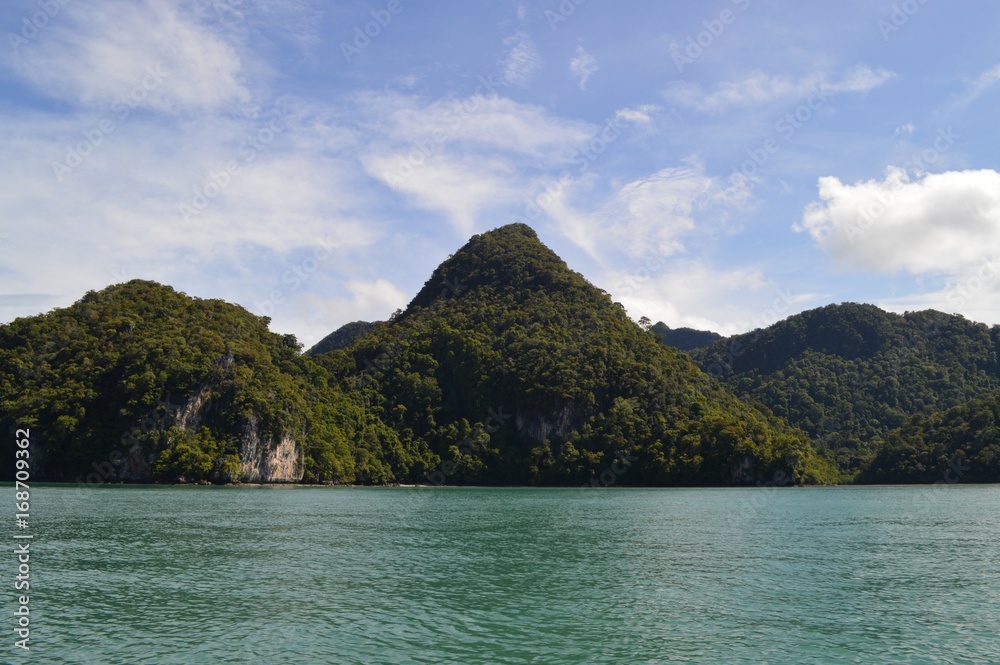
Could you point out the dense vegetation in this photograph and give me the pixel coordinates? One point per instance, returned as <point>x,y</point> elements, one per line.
<point>961,444</point>
<point>685,339</point>
<point>109,382</point>
<point>342,337</point>
<point>508,367</point>
<point>851,374</point>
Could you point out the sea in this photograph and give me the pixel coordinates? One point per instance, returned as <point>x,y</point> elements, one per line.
<point>156,574</point>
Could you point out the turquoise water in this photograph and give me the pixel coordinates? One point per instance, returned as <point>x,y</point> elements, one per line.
<point>449,575</point>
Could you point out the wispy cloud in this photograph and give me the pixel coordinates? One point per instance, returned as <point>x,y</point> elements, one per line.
<point>759,89</point>
<point>647,215</point>
<point>640,115</point>
<point>110,50</point>
<point>979,86</point>
<point>522,61</point>
<point>582,66</point>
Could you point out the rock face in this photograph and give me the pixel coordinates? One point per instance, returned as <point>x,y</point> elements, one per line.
<point>556,427</point>
<point>269,461</point>
<point>261,461</point>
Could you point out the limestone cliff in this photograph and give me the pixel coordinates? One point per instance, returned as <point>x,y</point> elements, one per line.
<point>269,461</point>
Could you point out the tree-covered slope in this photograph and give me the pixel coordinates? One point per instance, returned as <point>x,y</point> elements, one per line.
<point>685,339</point>
<point>849,374</point>
<point>508,367</point>
<point>961,444</point>
<point>141,382</point>
<point>342,336</point>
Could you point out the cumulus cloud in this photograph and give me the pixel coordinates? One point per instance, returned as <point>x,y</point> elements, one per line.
<point>759,88</point>
<point>582,66</point>
<point>937,223</point>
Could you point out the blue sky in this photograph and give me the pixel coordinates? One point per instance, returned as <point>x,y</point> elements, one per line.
<point>719,165</point>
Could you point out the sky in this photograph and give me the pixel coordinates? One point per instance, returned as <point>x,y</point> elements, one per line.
<point>720,165</point>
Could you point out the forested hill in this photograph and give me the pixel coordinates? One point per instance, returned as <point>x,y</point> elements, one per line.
<point>139,382</point>
<point>506,368</point>
<point>342,336</point>
<point>511,368</point>
<point>685,339</point>
<point>849,374</point>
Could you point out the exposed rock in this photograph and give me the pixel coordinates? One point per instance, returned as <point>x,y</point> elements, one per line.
<point>267,461</point>
<point>555,427</point>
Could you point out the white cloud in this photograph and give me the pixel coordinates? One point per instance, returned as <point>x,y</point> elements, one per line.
<point>759,88</point>
<point>974,293</point>
<point>980,86</point>
<point>460,187</point>
<point>582,66</point>
<point>484,121</point>
<point>465,157</point>
<point>688,292</point>
<point>146,52</point>
<point>523,60</point>
<point>905,130</point>
<point>117,215</point>
<point>321,310</point>
<point>647,215</point>
<point>939,223</point>
<point>641,115</point>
